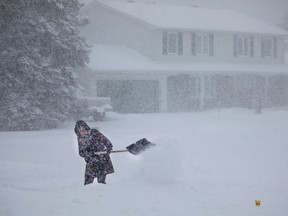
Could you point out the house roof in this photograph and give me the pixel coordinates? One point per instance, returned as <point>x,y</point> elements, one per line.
<point>115,59</point>
<point>188,17</point>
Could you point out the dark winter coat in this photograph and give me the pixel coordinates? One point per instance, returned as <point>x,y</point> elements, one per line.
<point>96,165</point>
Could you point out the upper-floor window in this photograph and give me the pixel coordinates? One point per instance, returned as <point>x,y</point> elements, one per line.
<point>172,43</point>
<point>243,46</point>
<point>269,47</point>
<point>202,44</point>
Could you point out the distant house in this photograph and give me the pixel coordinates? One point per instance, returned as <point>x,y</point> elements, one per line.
<point>159,58</point>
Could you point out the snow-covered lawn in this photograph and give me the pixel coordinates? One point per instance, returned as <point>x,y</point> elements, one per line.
<point>205,163</point>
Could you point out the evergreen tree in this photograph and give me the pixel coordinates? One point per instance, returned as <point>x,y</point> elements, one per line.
<point>40,47</point>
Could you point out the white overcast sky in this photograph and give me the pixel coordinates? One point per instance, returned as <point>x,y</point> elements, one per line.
<point>271,11</point>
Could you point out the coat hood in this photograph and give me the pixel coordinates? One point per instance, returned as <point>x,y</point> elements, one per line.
<point>79,124</point>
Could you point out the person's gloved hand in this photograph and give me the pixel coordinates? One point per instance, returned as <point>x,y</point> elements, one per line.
<point>108,151</point>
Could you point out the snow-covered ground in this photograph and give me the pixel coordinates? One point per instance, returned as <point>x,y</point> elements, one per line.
<point>205,163</point>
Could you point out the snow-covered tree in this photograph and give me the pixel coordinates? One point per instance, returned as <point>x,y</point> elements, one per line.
<point>40,46</point>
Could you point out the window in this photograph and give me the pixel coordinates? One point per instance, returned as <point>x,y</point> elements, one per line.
<point>172,43</point>
<point>243,46</point>
<point>268,47</point>
<point>202,44</point>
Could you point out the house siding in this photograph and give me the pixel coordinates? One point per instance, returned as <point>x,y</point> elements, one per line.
<point>110,27</point>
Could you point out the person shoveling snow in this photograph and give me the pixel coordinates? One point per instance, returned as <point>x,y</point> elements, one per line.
<point>95,148</point>
<point>91,141</point>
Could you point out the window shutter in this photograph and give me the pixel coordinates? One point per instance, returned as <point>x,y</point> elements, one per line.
<point>193,44</point>
<point>235,44</point>
<point>211,44</point>
<point>274,47</point>
<point>262,48</point>
<point>180,43</point>
<point>164,45</point>
<point>251,47</point>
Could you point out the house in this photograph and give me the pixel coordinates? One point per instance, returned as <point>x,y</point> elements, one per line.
<point>161,58</point>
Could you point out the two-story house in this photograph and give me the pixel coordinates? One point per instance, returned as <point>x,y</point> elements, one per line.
<point>158,58</point>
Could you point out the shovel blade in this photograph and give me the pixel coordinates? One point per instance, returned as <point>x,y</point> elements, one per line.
<point>139,146</point>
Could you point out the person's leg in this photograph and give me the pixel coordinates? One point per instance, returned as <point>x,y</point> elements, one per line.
<point>88,180</point>
<point>101,179</point>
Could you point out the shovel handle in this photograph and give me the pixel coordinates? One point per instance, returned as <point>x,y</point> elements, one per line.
<point>113,151</point>
<point>119,151</point>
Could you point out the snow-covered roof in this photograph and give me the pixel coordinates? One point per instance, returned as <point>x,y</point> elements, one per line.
<point>105,58</point>
<point>188,17</point>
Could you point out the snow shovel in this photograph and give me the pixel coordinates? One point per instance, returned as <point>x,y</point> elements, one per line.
<point>135,148</point>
